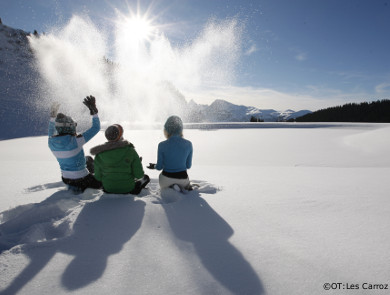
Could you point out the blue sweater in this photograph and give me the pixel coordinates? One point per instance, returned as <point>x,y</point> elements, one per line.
<point>174,154</point>
<point>68,149</point>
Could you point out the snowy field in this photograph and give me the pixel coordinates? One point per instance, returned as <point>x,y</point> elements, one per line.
<point>278,211</point>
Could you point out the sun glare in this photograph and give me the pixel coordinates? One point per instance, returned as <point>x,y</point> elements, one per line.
<point>138,28</point>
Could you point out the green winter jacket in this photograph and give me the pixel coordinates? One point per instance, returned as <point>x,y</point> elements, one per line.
<point>117,166</point>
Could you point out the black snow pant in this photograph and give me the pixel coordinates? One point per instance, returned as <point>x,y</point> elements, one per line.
<point>139,185</point>
<point>88,181</point>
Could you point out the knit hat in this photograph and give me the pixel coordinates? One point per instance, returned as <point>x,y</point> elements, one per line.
<point>65,124</point>
<point>174,126</point>
<point>114,132</point>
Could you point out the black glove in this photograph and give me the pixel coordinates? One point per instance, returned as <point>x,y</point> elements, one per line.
<point>151,166</point>
<point>90,102</point>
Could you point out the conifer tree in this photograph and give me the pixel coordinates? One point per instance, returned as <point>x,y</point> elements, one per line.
<point>375,111</point>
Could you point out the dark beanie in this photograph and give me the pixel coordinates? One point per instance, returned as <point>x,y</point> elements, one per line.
<point>114,132</point>
<point>65,124</point>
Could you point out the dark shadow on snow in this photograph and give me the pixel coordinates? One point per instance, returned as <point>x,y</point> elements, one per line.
<point>193,220</point>
<point>101,229</point>
<point>45,186</point>
<point>105,225</point>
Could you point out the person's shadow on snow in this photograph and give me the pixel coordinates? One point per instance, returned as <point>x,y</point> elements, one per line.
<point>193,220</point>
<point>101,230</point>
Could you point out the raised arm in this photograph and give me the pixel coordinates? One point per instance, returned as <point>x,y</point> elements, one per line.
<point>91,132</point>
<point>90,102</point>
<point>53,113</point>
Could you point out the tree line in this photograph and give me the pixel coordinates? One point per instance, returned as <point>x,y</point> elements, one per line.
<point>375,112</point>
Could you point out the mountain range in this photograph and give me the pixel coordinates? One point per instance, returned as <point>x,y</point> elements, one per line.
<point>224,111</point>
<point>19,93</point>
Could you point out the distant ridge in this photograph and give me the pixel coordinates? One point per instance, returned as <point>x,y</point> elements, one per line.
<point>374,112</point>
<point>224,111</point>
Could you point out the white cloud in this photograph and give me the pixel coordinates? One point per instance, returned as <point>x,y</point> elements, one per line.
<point>301,56</point>
<point>348,75</point>
<point>251,50</point>
<point>383,88</point>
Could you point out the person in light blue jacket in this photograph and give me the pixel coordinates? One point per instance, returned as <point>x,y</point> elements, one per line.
<point>67,146</point>
<point>174,156</point>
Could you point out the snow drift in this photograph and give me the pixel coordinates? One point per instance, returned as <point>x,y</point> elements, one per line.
<point>278,211</point>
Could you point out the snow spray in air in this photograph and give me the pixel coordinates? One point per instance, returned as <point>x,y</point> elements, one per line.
<point>143,80</point>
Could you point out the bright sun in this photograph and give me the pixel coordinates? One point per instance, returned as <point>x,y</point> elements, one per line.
<point>138,27</point>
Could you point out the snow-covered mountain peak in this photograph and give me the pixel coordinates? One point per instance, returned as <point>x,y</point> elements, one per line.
<point>223,111</point>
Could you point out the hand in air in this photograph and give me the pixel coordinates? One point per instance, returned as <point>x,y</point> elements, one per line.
<point>90,102</point>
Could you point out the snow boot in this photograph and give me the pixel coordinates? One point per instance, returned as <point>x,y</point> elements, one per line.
<point>144,181</point>
<point>75,189</point>
<point>176,187</point>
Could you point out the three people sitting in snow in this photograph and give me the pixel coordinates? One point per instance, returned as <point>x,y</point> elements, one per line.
<point>117,167</point>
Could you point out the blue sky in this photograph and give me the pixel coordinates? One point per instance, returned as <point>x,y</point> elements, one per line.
<point>296,54</point>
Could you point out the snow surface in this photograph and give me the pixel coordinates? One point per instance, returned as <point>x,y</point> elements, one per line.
<point>278,211</point>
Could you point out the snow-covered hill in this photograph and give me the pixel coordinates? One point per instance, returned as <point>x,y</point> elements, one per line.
<point>18,86</point>
<point>279,211</point>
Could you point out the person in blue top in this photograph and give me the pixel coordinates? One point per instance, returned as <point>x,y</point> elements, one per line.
<point>67,146</point>
<point>174,156</point>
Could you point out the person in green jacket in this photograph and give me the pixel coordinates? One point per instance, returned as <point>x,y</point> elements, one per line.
<point>117,164</point>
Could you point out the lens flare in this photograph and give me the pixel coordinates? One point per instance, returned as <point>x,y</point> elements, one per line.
<point>139,28</point>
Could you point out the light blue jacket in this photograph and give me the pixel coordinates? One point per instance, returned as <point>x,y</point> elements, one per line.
<point>174,154</point>
<point>68,149</point>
